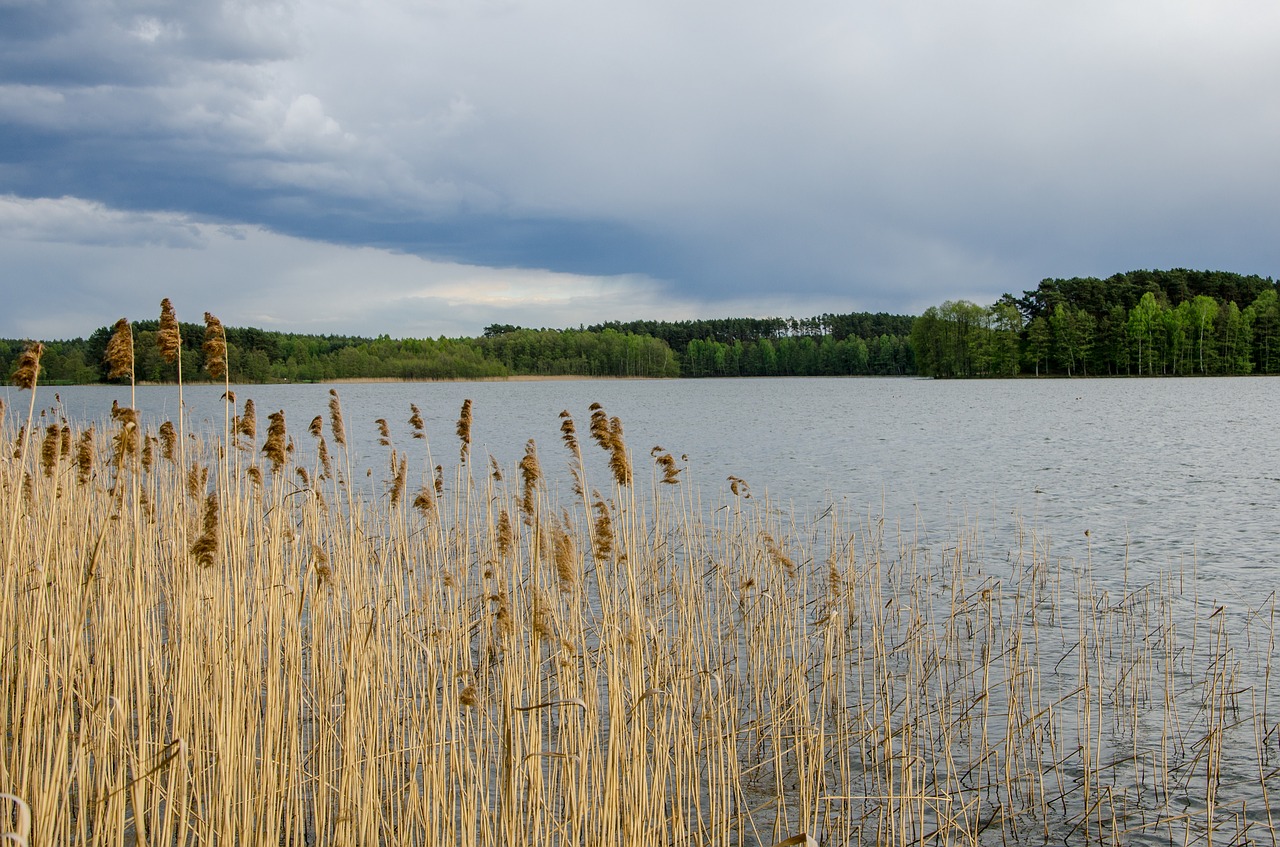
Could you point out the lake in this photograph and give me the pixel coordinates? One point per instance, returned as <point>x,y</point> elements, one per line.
<point>1161,472</point>
<point>1150,506</point>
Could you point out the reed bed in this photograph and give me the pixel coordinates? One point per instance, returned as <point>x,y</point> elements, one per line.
<point>231,640</point>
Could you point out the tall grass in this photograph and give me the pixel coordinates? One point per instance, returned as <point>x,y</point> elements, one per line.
<point>485,661</point>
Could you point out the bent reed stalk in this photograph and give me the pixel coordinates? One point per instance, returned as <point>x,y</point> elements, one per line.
<point>487,665</point>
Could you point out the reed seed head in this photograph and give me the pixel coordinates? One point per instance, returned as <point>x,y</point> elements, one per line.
<point>506,537</point>
<point>84,457</point>
<point>197,478</point>
<point>415,421</point>
<point>205,547</point>
<point>335,418</point>
<point>569,434</point>
<point>168,439</point>
<point>398,481</point>
<point>425,502</point>
<point>214,347</point>
<point>602,527</point>
<point>169,337</point>
<point>564,554</point>
<point>247,425</point>
<point>49,449</point>
<point>530,474</point>
<point>275,447</point>
<point>120,350</point>
<point>667,465</point>
<point>464,430</point>
<point>27,373</point>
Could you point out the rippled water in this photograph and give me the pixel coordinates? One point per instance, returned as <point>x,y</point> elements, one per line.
<point>1176,472</point>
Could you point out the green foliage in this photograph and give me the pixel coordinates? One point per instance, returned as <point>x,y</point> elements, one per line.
<point>1150,323</point>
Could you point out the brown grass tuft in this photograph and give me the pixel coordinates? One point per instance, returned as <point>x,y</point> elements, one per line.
<point>415,421</point>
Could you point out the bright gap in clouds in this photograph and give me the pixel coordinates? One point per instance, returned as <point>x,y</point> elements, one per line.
<point>76,265</point>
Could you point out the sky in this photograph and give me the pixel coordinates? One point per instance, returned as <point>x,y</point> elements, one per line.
<point>429,167</point>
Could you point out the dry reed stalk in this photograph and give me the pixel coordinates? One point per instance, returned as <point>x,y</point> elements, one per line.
<point>694,692</point>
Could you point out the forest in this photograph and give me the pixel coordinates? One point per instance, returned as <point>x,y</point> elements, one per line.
<point>853,344</point>
<point>1141,323</point>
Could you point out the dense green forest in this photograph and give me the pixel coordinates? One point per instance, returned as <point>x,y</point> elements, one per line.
<point>830,344</point>
<point>1176,322</point>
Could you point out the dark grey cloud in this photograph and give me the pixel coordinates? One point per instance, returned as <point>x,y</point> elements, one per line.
<point>745,156</point>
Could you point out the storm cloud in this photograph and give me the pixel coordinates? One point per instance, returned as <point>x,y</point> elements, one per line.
<point>620,160</point>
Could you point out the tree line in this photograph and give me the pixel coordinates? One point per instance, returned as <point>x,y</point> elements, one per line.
<point>830,344</point>
<point>1171,323</point>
